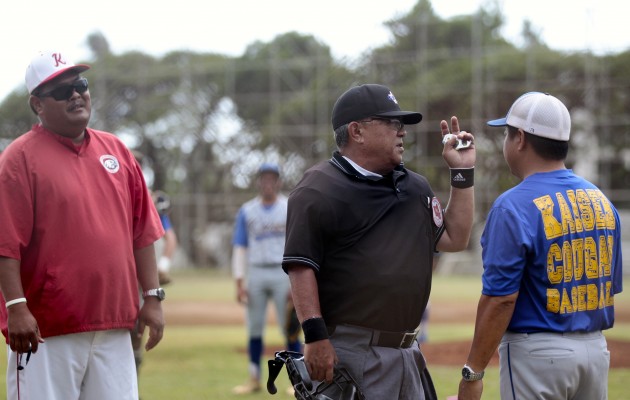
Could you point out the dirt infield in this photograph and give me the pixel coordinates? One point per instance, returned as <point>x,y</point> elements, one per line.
<point>446,353</point>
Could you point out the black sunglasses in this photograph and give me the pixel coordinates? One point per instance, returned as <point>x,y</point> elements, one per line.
<point>64,92</point>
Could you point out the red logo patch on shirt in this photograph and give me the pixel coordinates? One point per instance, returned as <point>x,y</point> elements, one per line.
<point>110,163</point>
<point>438,218</point>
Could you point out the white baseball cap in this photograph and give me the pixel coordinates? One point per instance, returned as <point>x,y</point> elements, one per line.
<point>540,114</point>
<point>47,65</point>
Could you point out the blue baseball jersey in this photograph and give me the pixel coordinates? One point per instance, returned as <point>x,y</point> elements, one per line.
<point>556,239</point>
<point>262,229</point>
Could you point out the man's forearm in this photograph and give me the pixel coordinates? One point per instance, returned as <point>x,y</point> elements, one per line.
<point>10,279</point>
<point>458,218</point>
<point>146,267</point>
<point>305,291</point>
<point>493,316</point>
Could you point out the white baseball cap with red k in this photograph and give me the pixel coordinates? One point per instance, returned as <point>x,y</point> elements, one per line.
<point>540,114</point>
<point>48,65</point>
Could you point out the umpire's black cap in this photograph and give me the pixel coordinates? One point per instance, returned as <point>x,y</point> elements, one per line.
<point>370,100</point>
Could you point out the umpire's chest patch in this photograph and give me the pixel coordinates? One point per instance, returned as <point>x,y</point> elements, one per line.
<point>438,217</point>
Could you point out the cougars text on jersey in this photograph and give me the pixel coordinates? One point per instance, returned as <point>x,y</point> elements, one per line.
<point>582,256</point>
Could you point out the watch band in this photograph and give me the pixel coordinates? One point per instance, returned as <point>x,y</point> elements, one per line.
<point>150,292</point>
<point>159,293</point>
<point>469,375</point>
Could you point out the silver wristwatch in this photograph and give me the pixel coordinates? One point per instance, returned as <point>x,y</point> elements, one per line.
<point>469,375</point>
<point>159,293</point>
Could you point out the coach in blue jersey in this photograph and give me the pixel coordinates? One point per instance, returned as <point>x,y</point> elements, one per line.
<point>361,233</point>
<point>552,265</point>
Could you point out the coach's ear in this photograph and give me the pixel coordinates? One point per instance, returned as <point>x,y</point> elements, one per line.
<point>35,103</point>
<point>355,132</point>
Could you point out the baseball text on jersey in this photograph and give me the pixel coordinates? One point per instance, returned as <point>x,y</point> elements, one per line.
<point>579,267</point>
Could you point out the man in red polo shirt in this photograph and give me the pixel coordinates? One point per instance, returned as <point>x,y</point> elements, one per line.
<point>78,227</point>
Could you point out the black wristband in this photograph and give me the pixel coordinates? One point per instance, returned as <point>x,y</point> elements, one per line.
<point>314,329</point>
<point>462,178</point>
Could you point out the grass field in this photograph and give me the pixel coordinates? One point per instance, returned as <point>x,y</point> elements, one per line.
<point>205,360</point>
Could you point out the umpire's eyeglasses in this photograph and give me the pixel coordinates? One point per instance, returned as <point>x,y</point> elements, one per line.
<point>391,123</point>
<point>64,92</point>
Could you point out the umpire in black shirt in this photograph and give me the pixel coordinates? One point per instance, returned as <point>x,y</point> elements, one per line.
<point>361,233</point>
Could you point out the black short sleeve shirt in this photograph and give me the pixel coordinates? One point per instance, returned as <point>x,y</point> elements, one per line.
<point>370,242</point>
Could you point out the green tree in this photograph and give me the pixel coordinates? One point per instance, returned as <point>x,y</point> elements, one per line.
<point>284,89</point>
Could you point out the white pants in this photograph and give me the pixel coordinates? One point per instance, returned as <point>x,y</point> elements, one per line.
<point>82,366</point>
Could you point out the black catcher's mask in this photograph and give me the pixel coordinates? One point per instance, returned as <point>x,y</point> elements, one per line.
<point>343,386</point>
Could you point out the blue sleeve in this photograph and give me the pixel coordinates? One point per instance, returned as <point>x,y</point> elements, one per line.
<point>617,260</point>
<point>504,245</point>
<point>166,222</point>
<point>240,230</point>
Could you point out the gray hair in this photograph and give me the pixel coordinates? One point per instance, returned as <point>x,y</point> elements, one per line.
<point>341,136</point>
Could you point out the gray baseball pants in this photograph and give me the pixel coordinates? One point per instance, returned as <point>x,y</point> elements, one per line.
<point>381,372</point>
<point>554,366</point>
<point>265,283</point>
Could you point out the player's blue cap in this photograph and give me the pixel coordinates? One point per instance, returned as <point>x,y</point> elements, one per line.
<point>269,167</point>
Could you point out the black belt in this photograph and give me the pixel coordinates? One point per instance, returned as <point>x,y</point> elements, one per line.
<point>397,340</point>
<point>402,340</point>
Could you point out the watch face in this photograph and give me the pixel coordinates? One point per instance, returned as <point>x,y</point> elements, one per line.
<point>161,294</point>
<point>469,375</point>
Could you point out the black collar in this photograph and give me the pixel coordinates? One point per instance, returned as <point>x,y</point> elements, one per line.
<point>342,164</point>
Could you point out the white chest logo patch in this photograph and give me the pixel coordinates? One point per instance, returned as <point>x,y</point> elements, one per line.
<point>110,163</point>
<point>438,218</point>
